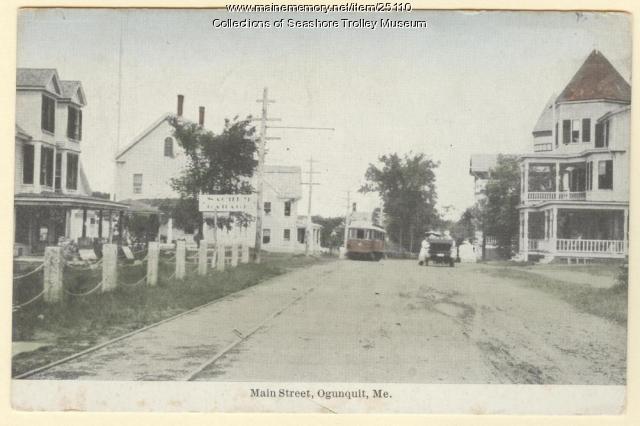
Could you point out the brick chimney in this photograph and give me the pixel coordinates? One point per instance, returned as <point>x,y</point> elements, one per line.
<point>201,116</point>
<point>180,105</point>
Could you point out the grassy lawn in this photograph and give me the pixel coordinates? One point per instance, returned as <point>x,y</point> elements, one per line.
<point>609,303</point>
<point>82,322</point>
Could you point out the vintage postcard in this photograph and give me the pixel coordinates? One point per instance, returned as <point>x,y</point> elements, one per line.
<point>321,208</point>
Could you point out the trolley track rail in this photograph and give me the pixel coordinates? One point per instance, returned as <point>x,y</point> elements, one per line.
<point>195,372</point>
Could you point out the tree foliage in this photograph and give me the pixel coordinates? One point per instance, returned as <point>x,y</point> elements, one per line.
<point>216,164</point>
<point>500,214</point>
<point>332,233</point>
<point>406,185</point>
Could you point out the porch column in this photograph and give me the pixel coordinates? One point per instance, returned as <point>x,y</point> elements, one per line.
<point>110,234</point>
<point>554,231</point>
<point>99,223</point>
<point>67,223</point>
<point>557,179</point>
<point>525,239</point>
<point>626,231</point>
<point>526,180</point>
<point>120,227</point>
<point>84,223</point>
<point>546,224</point>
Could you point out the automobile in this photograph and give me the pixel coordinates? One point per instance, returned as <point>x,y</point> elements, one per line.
<point>441,250</point>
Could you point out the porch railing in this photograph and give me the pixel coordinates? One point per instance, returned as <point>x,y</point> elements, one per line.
<point>563,195</point>
<point>591,246</point>
<point>535,244</point>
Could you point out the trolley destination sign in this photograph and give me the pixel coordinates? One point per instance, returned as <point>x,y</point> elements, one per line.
<point>224,203</point>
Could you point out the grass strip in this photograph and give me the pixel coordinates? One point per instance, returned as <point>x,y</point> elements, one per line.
<point>82,322</point>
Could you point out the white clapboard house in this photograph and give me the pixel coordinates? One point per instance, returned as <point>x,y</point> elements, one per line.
<point>145,167</point>
<point>52,200</point>
<point>575,182</point>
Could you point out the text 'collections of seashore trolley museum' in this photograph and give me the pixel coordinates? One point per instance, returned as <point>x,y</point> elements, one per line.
<point>573,195</point>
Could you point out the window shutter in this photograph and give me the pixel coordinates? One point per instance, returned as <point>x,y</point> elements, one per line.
<point>599,136</point>
<point>79,124</point>
<point>586,130</point>
<point>566,131</point>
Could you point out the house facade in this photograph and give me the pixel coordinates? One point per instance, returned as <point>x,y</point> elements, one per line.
<point>52,194</point>
<point>575,182</point>
<point>145,167</point>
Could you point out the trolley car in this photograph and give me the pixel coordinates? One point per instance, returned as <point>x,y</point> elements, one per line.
<point>365,242</point>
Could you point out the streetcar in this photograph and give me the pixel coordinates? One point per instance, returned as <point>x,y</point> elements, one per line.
<point>365,241</point>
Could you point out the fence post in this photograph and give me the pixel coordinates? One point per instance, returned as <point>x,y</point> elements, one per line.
<point>221,252</point>
<point>202,258</point>
<point>53,267</point>
<point>245,253</point>
<point>234,255</point>
<point>181,251</point>
<point>153,257</point>
<point>109,267</point>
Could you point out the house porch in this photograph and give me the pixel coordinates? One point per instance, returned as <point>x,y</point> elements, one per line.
<point>574,231</point>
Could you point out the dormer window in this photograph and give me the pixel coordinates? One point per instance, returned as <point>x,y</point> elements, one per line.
<point>168,147</point>
<point>48,118</point>
<point>74,123</point>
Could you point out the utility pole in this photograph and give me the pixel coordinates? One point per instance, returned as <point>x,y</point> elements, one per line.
<point>265,101</point>
<point>308,231</point>
<point>261,151</point>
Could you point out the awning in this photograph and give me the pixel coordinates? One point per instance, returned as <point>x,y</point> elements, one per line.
<point>54,199</point>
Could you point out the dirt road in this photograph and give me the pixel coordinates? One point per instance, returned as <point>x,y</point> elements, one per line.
<point>389,321</point>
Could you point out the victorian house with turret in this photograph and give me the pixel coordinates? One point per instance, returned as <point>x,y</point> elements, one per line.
<point>575,182</point>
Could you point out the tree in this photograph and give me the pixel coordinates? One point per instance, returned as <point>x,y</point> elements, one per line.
<point>407,188</point>
<point>469,223</point>
<point>332,231</point>
<point>216,164</point>
<point>375,216</point>
<point>500,214</point>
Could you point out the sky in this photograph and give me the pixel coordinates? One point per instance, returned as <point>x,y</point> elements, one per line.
<point>471,82</point>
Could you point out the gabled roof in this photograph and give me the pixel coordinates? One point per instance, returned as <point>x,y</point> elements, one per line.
<point>38,78</point>
<point>146,131</point>
<point>71,88</point>
<point>545,121</point>
<point>596,79</point>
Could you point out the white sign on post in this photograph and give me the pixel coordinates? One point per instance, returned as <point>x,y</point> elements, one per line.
<point>224,203</point>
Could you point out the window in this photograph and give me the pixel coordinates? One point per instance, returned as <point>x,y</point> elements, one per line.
<point>287,208</point>
<point>586,130</point>
<point>46,166</point>
<point>74,123</point>
<point>267,207</point>
<point>72,171</point>
<point>566,131</point>
<point>286,235</point>
<point>27,164</point>
<point>58,180</point>
<point>48,118</point>
<point>575,131</point>
<point>602,134</point>
<point>301,235</point>
<point>137,183</point>
<point>589,177</point>
<point>168,147</point>
<point>266,236</point>
<point>360,234</point>
<point>605,174</point>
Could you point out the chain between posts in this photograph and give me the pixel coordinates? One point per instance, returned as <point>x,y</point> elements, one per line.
<point>33,271</point>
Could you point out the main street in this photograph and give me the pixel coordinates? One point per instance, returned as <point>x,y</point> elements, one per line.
<point>387,321</point>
